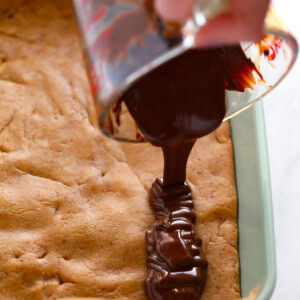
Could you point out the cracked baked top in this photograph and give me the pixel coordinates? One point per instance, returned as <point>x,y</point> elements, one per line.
<point>74,204</point>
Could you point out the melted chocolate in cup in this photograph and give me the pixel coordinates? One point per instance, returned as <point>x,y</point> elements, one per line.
<point>174,105</point>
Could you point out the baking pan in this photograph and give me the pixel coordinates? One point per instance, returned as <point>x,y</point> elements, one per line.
<point>255,212</point>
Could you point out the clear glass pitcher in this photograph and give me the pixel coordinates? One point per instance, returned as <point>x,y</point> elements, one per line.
<point>124,40</point>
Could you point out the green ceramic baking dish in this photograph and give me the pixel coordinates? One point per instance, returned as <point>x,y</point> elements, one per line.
<point>255,213</point>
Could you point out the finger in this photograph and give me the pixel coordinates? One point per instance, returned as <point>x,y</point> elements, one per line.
<point>244,22</point>
<point>174,10</point>
<point>227,30</point>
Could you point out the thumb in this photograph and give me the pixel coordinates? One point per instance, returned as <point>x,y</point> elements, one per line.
<point>174,10</point>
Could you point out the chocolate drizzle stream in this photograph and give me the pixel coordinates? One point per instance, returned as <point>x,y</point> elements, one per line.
<point>174,105</point>
<point>176,261</point>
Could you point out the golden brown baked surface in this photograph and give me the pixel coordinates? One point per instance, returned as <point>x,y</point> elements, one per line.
<point>73,204</point>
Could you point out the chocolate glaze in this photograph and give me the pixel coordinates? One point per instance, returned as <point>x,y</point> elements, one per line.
<point>174,105</point>
<point>176,261</point>
<point>184,99</point>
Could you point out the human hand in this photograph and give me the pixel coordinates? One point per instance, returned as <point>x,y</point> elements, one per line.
<point>243,22</point>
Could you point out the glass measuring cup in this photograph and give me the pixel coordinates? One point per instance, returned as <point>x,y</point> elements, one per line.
<point>124,40</point>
